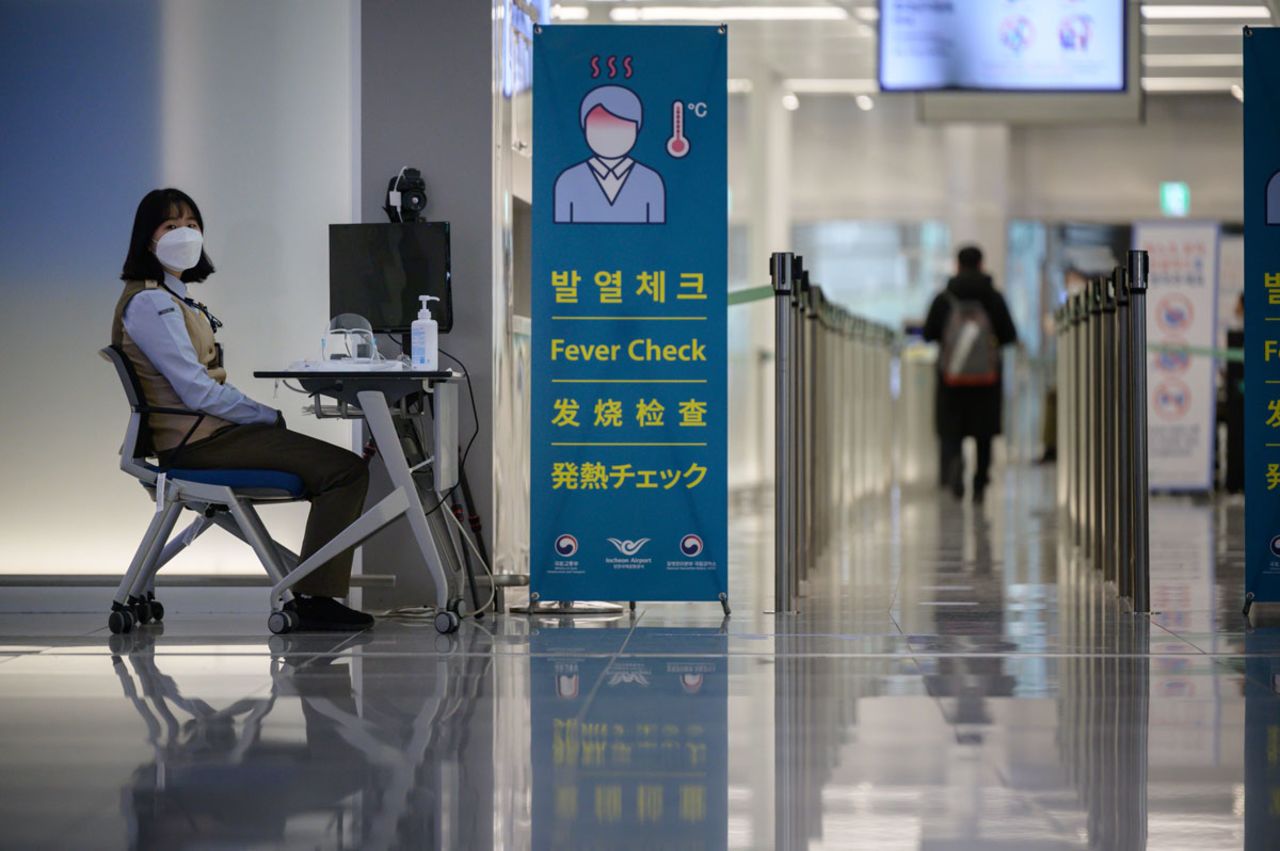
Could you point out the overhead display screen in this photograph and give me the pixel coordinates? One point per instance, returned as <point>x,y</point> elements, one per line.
<point>1002,45</point>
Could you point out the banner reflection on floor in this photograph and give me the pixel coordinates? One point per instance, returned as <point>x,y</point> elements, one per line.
<point>630,751</point>
<point>1261,742</point>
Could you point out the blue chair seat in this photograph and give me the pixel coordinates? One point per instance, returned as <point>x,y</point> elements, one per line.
<point>248,480</point>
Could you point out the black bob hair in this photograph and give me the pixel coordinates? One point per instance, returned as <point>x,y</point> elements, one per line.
<point>154,209</point>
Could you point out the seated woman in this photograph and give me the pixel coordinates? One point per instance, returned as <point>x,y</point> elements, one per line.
<point>169,339</point>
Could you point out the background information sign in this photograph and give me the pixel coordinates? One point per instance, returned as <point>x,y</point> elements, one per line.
<point>1262,314</point>
<point>1182,305</point>
<point>629,443</point>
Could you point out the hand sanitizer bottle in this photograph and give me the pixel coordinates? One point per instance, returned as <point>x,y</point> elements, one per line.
<point>425,339</point>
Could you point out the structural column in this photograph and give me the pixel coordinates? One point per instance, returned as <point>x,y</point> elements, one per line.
<point>977,163</point>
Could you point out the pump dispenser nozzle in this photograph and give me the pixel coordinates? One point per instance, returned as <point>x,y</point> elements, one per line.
<point>425,312</point>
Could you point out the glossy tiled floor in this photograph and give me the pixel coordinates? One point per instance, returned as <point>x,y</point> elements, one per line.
<point>955,680</point>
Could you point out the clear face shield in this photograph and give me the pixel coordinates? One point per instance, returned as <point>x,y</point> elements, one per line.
<point>350,339</point>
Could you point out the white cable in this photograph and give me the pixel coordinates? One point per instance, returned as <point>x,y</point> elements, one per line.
<point>493,587</point>
<point>393,195</point>
<point>428,613</point>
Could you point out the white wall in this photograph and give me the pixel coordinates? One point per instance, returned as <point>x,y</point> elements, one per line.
<point>255,117</point>
<point>883,164</point>
<point>259,124</point>
<point>866,165</point>
<point>1113,173</point>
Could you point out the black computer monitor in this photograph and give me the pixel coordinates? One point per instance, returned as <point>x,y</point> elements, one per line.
<point>378,271</point>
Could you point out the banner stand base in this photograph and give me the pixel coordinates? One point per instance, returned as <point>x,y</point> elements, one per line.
<point>570,607</point>
<point>1263,614</point>
<point>566,607</point>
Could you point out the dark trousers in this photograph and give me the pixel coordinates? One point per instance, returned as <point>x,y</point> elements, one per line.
<point>953,455</point>
<point>335,481</point>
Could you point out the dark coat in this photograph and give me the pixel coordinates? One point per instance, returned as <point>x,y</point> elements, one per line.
<point>970,411</point>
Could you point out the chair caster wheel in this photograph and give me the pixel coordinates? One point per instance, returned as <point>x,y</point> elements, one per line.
<point>157,611</point>
<point>447,622</point>
<point>282,622</point>
<point>119,622</point>
<point>143,613</point>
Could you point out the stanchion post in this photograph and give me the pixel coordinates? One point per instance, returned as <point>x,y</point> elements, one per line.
<point>781,274</point>
<point>1059,424</point>
<point>1139,265</point>
<point>1086,387</point>
<point>1079,351</point>
<point>817,471</point>
<point>803,390</point>
<point>1095,427</point>
<point>1124,436</point>
<point>1108,431</point>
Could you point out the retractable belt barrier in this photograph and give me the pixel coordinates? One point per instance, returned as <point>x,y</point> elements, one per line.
<point>1102,418</point>
<point>832,420</point>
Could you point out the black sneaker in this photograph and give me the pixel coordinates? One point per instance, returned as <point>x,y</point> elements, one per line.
<point>325,614</point>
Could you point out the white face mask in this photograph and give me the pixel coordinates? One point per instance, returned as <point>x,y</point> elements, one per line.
<point>180,248</point>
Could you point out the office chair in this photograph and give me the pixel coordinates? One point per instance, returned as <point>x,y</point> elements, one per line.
<point>218,497</point>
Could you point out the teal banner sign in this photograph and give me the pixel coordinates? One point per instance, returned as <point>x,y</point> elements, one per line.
<point>1262,314</point>
<point>629,409</point>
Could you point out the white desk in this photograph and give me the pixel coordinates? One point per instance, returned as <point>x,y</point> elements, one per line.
<point>370,396</point>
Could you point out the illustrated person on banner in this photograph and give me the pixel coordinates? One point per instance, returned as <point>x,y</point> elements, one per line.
<point>610,187</point>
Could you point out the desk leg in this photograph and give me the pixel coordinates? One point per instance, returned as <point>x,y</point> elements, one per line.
<point>376,413</point>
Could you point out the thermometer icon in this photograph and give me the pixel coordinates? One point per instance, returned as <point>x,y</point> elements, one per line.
<point>677,145</point>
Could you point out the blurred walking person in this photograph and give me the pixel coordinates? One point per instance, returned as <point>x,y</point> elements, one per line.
<point>971,322</point>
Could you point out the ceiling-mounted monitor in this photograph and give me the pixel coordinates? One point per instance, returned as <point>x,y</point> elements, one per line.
<point>1077,46</point>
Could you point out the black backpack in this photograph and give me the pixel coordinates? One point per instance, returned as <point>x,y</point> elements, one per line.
<point>970,354</point>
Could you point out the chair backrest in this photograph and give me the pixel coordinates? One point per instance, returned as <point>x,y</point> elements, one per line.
<point>137,439</point>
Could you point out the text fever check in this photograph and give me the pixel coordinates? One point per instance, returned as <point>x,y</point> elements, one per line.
<point>641,351</point>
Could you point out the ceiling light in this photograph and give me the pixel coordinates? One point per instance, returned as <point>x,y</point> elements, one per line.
<point>718,14</point>
<point>867,13</point>
<point>570,13</point>
<point>740,86</point>
<point>1189,13</point>
<point>790,102</point>
<point>865,103</point>
<point>1237,92</point>
<point>1192,60</point>
<point>1193,30</point>
<point>832,86</point>
<point>1186,85</point>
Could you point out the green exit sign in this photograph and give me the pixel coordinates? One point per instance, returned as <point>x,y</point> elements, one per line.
<point>1175,198</point>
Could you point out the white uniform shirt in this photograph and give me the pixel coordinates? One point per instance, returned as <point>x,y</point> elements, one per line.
<point>156,325</point>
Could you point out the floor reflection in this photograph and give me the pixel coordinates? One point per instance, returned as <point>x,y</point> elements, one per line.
<point>957,677</point>
<point>313,760</point>
<point>630,745</point>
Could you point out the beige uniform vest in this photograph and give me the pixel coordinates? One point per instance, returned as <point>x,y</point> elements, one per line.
<point>167,430</point>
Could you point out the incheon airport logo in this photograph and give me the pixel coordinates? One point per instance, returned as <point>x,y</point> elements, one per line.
<point>628,548</point>
<point>1275,546</point>
<point>566,546</point>
<point>691,546</point>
